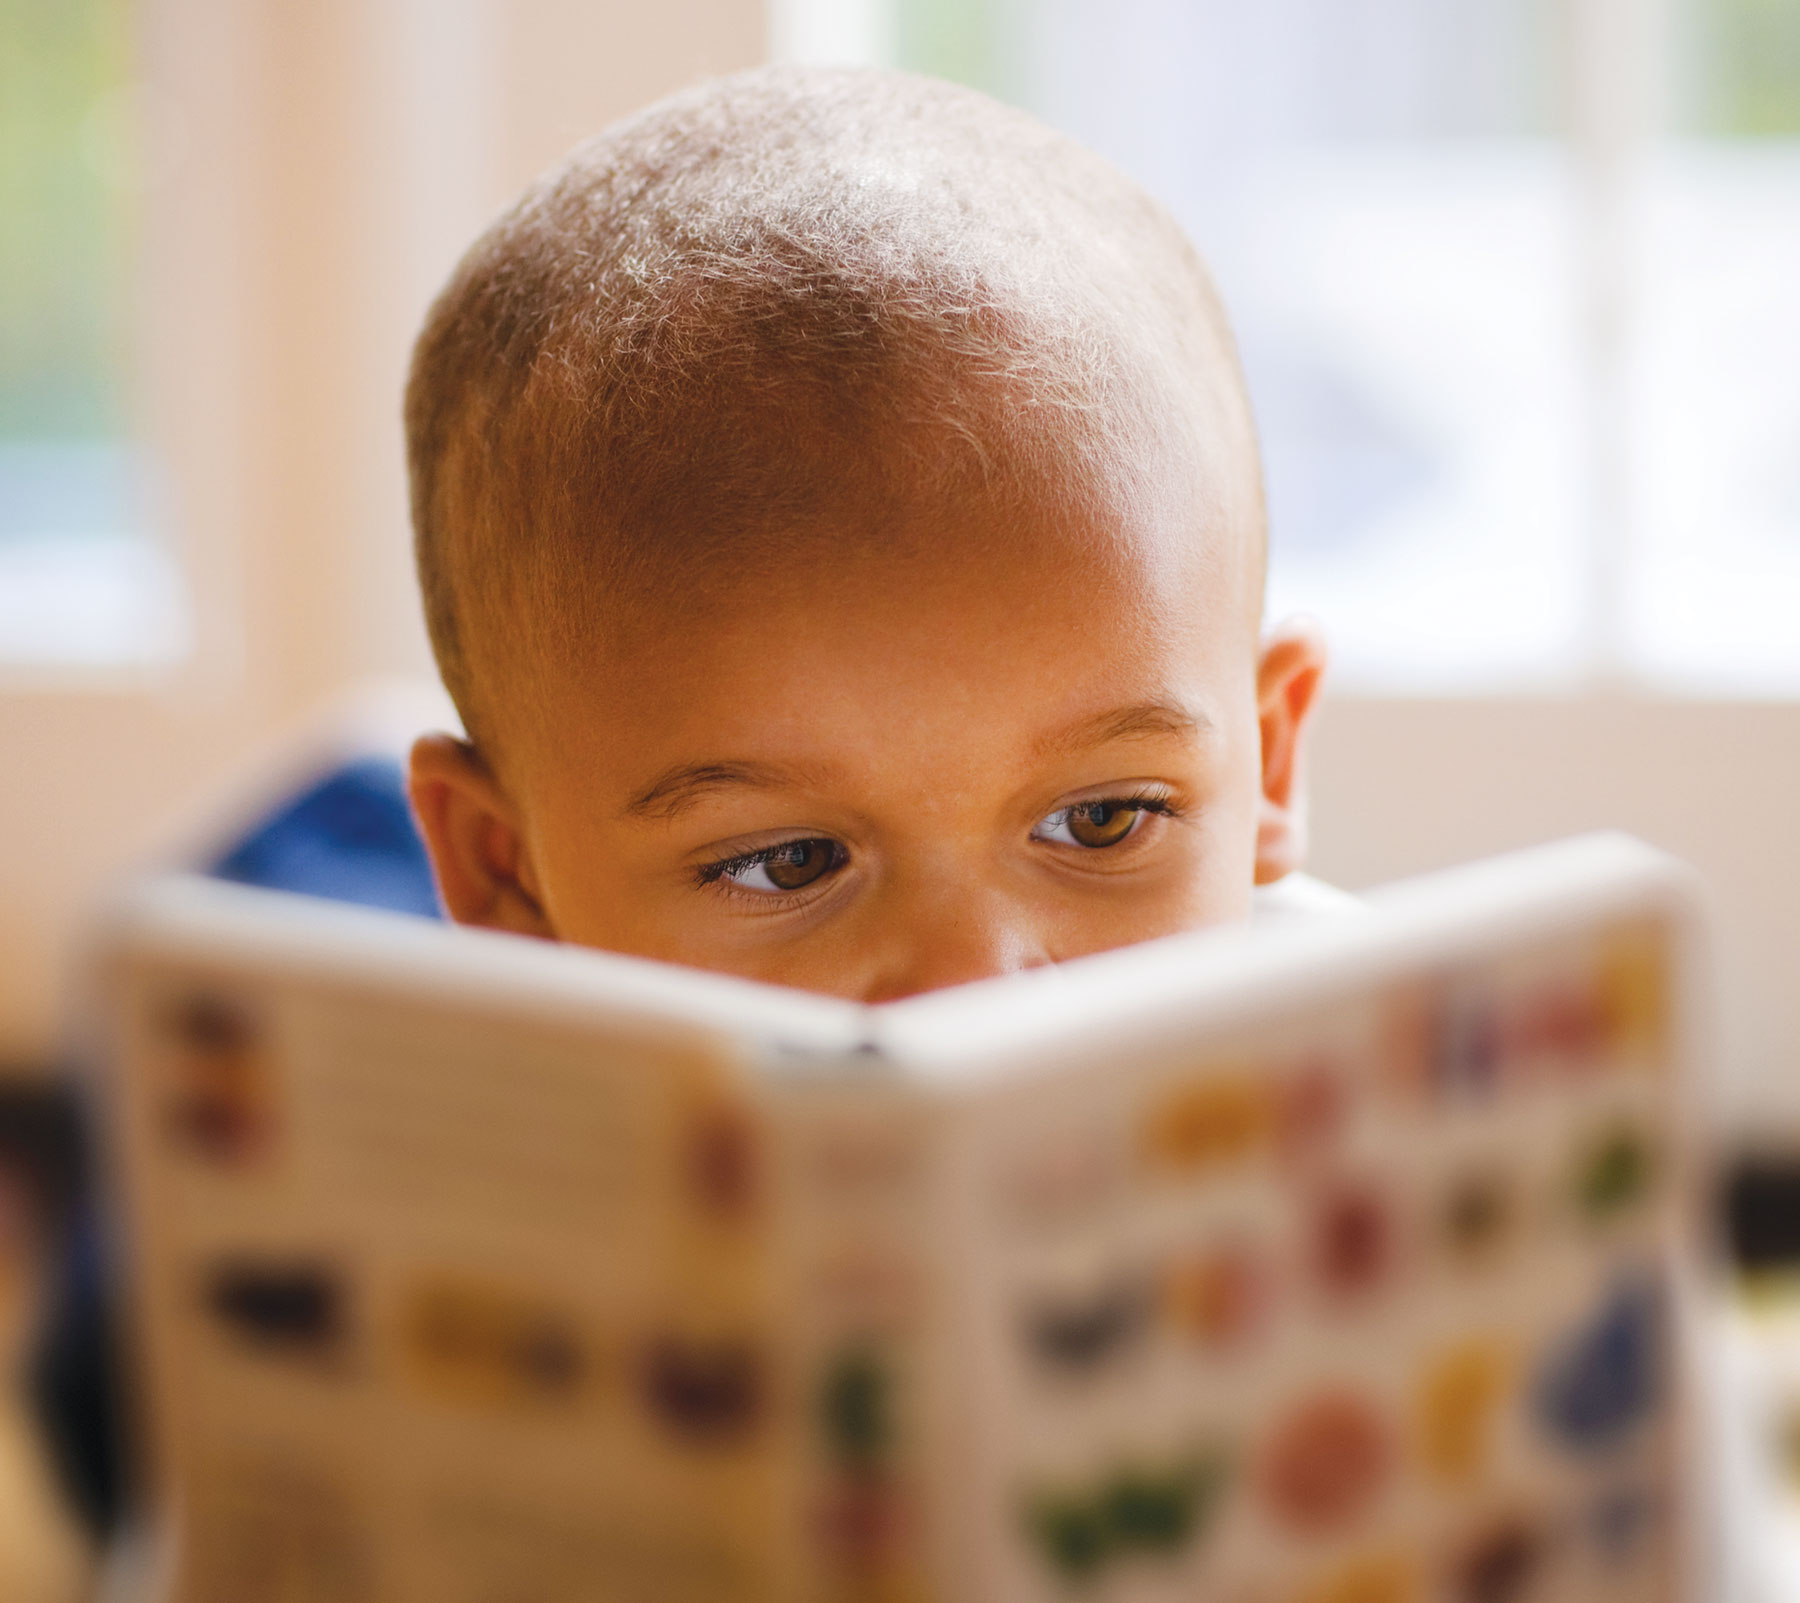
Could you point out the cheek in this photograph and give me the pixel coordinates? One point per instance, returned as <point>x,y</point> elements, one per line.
<point>1228,876</point>
<point>1229,822</point>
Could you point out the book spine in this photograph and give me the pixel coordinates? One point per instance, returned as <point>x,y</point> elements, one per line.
<point>860,1284</point>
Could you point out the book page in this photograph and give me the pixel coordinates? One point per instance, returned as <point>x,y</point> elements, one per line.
<point>442,1301</point>
<point>1363,1297</point>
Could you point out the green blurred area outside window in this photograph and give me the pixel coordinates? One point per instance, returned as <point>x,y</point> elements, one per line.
<point>82,585</point>
<point>65,207</point>
<point>955,39</point>
<point>1737,76</point>
<point>1748,60</point>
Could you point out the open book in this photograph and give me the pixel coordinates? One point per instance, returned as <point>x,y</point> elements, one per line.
<point>1327,1260</point>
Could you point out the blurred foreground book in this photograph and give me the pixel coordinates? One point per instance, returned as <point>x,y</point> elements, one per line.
<point>1332,1260</point>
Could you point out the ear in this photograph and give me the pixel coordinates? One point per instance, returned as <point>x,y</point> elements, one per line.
<point>1288,675</point>
<point>471,829</point>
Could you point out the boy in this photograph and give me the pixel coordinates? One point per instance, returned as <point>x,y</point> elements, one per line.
<point>840,526</point>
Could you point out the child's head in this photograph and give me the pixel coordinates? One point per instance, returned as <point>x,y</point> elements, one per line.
<point>840,526</point>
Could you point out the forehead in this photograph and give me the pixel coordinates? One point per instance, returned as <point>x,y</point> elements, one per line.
<point>939,515</point>
<point>994,483</point>
<point>913,623</point>
<point>946,491</point>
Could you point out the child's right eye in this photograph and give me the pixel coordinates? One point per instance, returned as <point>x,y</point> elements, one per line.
<point>777,870</point>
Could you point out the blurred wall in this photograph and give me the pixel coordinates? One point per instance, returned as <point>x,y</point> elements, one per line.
<point>315,167</point>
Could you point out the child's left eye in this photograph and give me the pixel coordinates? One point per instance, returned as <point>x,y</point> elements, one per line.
<point>1095,824</point>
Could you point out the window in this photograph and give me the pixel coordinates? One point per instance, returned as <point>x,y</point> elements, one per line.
<point>80,583</point>
<point>1714,368</point>
<point>1513,281</point>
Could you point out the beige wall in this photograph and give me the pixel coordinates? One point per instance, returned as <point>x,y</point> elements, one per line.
<point>322,163</point>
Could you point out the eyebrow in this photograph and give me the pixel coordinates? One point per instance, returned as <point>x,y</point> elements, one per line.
<point>674,791</point>
<point>1146,720</point>
<point>679,788</point>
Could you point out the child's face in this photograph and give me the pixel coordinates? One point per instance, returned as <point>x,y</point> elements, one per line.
<point>987,748</point>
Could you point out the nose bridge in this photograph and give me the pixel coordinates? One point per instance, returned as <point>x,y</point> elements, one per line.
<point>949,932</point>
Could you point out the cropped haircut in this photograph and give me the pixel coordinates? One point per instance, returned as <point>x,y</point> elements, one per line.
<point>722,325</point>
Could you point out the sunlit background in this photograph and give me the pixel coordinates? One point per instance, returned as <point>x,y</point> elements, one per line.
<point>1517,283</point>
<point>1513,280</point>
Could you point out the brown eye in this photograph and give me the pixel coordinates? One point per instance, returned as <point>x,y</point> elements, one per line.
<point>777,870</point>
<point>799,863</point>
<point>1101,823</point>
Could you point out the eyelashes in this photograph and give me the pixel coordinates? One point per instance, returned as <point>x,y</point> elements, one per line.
<point>786,867</point>
<point>1102,822</point>
<point>775,873</point>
